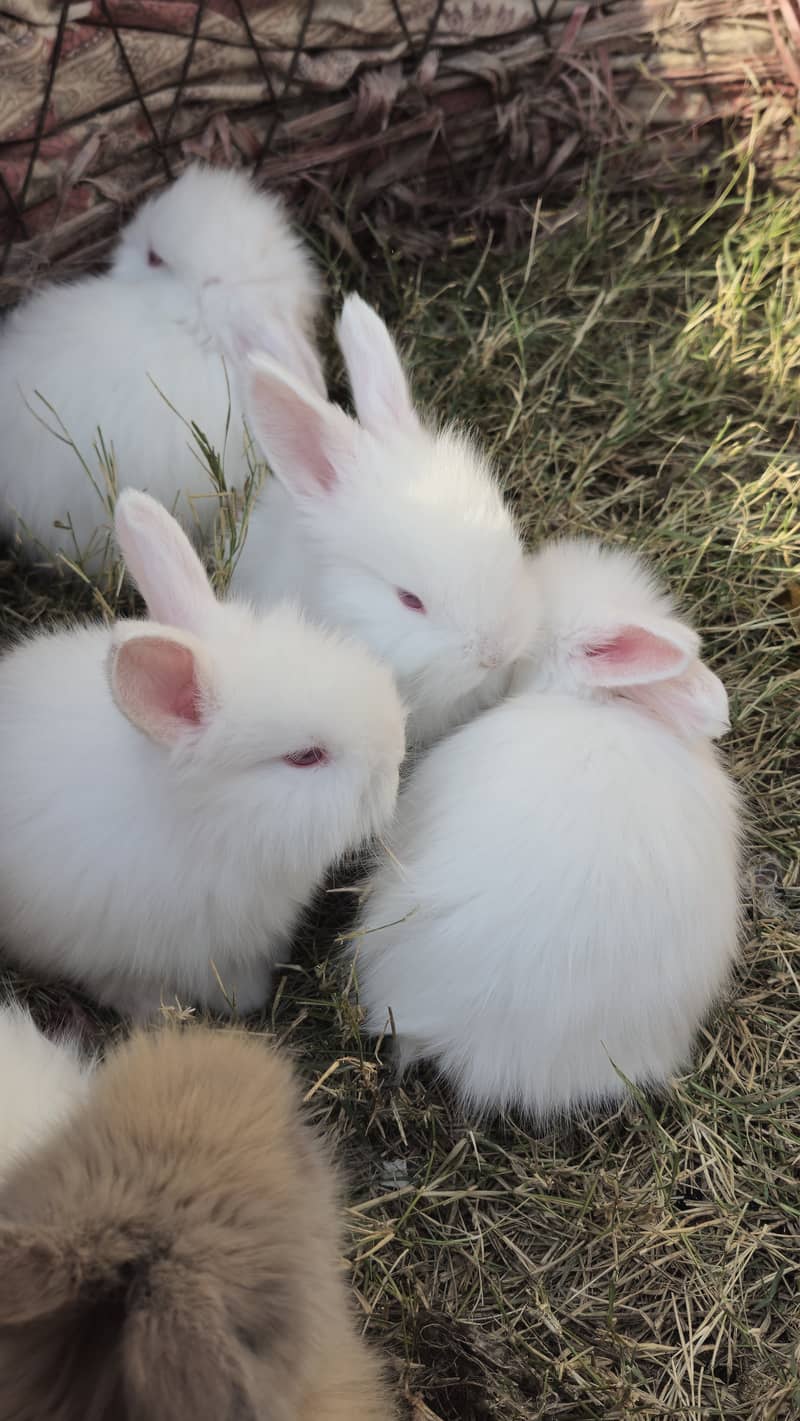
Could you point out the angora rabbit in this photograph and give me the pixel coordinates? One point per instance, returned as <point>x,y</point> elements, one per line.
<point>559,908</point>
<point>208,268</point>
<point>392,530</point>
<point>174,791</point>
<point>173,1252</point>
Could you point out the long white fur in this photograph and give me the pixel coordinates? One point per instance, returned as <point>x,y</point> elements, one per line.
<point>235,277</point>
<point>41,1083</point>
<point>558,907</point>
<point>142,840</point>
<point>358,510</point>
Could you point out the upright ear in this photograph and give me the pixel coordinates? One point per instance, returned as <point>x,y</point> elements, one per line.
<point>287,345</point>
<point>694,704</point>
<point>307,441</point>
<point>161,679</point>
<point>162,562</point>
<point>39,1274</point>
<point>251,331</point>
<point>377,379</point>
<point>633,653</point>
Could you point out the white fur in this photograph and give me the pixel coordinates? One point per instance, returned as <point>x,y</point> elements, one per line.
<point>357,510</point>
<point>135,851</point>
<point>560,902</point>
<point>235,278</point>
<point>41,1084</point>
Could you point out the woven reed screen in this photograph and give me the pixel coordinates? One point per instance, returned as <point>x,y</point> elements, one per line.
<point>414,115</point>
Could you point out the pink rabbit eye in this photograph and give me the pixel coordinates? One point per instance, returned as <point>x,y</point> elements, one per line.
<point>153,259</point>
<point>410,599</point>
<point>314,755</point>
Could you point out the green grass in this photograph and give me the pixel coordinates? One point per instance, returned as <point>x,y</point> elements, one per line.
<point>636,373</point>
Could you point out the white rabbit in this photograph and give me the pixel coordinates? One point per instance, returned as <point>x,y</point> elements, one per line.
<point>208,268</point>
<point>187,813</point>
<point>41,1083</point>
<point>560,904</point>
<point>395,532</point>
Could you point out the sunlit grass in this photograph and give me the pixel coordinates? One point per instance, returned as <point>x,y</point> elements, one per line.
<point>634,371</point>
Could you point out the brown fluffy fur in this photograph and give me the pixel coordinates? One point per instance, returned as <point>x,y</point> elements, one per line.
<point>173,1252</point>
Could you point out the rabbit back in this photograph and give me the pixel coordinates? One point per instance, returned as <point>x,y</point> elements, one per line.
<point>563,905</point>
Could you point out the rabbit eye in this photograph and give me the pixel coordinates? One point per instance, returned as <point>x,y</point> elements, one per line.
<point>410,599</point>
<point>314,755</point>
<point>153,259</point>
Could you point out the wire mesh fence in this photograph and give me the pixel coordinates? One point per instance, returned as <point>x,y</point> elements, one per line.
<point>411,115</point>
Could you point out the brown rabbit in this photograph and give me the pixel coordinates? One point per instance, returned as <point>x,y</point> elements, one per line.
<point>172,1251</point>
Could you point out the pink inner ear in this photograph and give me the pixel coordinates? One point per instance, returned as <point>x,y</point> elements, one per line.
<point>632,654</point>
<point>182,701</point>
<point>294,434</point>
<point>693,704</point>
<point>157,686</point>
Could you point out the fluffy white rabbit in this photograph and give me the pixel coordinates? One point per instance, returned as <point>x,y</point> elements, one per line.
<point>41,1083</point>
<point>396,532</point>
<point>208,268</point>
<point>560,904</point>
<point>174,790</point>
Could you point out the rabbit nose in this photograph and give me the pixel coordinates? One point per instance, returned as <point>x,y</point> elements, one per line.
<point>491,658</point>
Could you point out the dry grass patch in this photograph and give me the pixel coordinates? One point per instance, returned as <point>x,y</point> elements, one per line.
<point>635,372</point>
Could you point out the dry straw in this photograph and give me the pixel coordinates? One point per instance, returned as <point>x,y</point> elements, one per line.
<point>407,114</point>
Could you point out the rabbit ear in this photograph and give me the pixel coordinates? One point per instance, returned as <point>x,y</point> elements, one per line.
<point>39,1274</point>
<point>287,345</point>
<point>694,704</point>
<point>377,379</point>
<point>161,680</point>
<point>656,665</point>
<point>633,654</point>
<point>245,326</point>
<point>162,562</point>
<point>179,1354</point>
<point>307,441</point>
<point>171,1338</point>
<point>290,348</point>
<point>44,1267</point>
